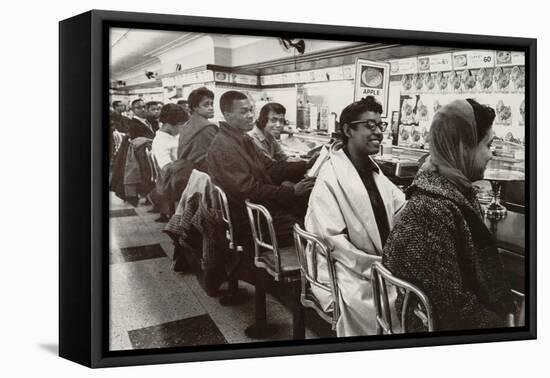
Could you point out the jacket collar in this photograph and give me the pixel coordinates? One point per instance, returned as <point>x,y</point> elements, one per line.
<point>233,132</point>
<point>257,133</point>
<point>370,165</point>
<point>142,120</point>
<point>199,121</point>
<point>434,183</point>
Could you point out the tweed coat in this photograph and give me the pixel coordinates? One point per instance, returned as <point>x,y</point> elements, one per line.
<point>441,244</point>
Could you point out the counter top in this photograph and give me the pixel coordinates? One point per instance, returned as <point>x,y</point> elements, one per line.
<point>509,232</point>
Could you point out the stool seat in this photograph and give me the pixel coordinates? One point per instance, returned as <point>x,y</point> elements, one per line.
<point>288,258</point>
<point>279,262</point>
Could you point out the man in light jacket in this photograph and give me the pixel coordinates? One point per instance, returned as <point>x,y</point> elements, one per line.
<point>352,209</point>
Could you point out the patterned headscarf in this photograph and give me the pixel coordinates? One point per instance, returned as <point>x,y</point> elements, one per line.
<point>453,139</point>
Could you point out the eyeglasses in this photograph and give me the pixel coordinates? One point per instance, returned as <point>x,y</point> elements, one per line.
<point>371,124</point>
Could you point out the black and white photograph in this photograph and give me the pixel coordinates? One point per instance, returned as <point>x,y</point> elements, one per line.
<point>266,189</point>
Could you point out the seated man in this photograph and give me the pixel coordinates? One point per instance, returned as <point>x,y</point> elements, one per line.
<point>244,172</point>
<point>153,113</point>
<point>197,134</point>
<point>352,209</point>
<point>268,130</point>
<point>139,126</point>
<point>119,122</point>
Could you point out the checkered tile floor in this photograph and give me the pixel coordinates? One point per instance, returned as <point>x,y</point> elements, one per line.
<point>152,306</point>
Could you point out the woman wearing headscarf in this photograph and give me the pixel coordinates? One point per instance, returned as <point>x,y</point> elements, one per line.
<point>440,242</point>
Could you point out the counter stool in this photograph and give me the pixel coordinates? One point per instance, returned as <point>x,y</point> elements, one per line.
<point>281,264</point>
<point>309,244</point>
<point>380,277</point>
<point>235,295</point>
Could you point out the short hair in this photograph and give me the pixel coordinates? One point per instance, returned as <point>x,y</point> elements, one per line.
<point>196,96</point>
<point>484,116</point>
<point>227,99</point>
<point>116,103</point>
<point>182,102</point>
<point>354,110</point>
<point>274,107</point>
<point>151,103</point>
<point>173,114</point>
<point>136,101</point>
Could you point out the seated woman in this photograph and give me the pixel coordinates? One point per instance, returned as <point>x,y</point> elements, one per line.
<point>164,148</point>
<point>352,208</point>
<point>197,134</point>
<point>440,242</point>
<point>268,129</point>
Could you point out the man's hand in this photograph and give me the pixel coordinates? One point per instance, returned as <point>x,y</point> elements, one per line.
<point>304,186</point>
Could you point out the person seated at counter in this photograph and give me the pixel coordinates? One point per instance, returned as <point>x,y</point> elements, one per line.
<point>119,121</point>
<point>198,133</point>
<point>352,209</point>
<point>440,242</point>
<point>268,129</point>
<point>153,113</point>
<point>164,148</point>
<point>185,105</point>
<point>139,126</point>
<point>243,171</point>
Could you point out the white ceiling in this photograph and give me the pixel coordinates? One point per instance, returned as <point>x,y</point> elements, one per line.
<point>133,47</point>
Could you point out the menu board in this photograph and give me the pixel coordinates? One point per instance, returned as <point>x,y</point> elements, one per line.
<point>335,73</point>
<point>416,112</point>
<point>168,82</point>
<point>510,58</point>
<point>311,76</point>
<point>404,66</point>
<point>473,59</point>
<point>373,79</point>
<point>435,63</point>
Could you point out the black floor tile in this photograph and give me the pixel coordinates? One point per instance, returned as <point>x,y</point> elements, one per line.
<point>115,257</point>
<point>143,252</point>
<point>198,330</point>
<point>122,213</point>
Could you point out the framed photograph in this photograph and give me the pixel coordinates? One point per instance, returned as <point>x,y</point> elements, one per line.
<point>224,192</point>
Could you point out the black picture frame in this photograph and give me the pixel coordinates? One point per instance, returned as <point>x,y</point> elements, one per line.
<point>83,235</point>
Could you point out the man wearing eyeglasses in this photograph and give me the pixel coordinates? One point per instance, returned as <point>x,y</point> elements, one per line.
<point>268,129</point>
<point>352,208</point>
<point>139,126</point>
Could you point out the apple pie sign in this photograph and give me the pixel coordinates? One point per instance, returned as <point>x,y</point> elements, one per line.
<point>373,79</point>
